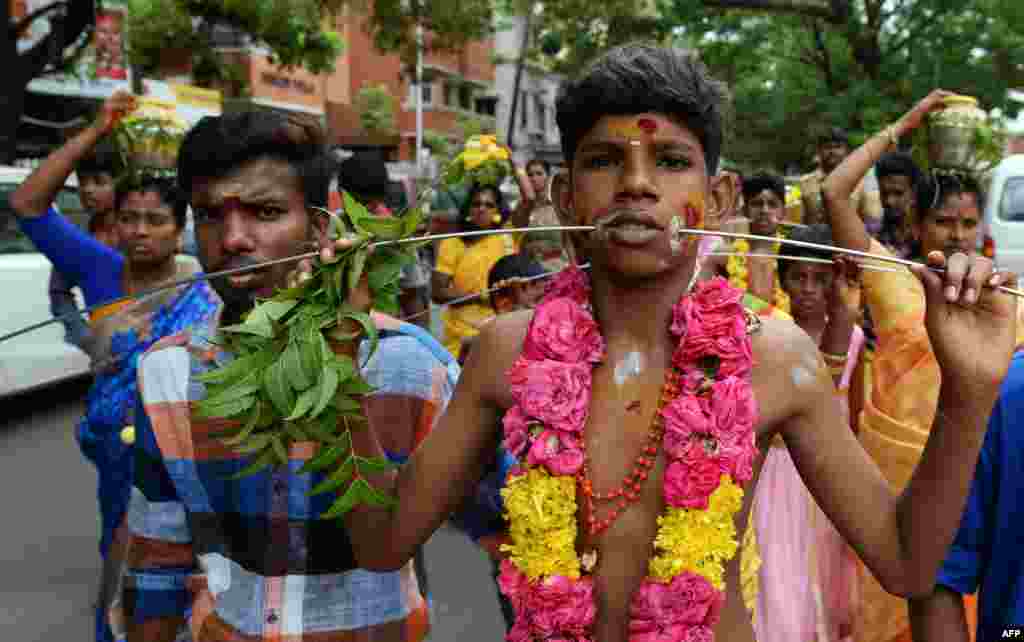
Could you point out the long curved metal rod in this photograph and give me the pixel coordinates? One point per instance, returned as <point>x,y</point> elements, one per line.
<point>479,295</point>
<point>829,248</point>
<point>805,259</point>
<point>438,237</point>
<point>288,259</point>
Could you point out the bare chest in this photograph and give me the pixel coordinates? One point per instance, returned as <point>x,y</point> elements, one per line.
<point>761,277</point>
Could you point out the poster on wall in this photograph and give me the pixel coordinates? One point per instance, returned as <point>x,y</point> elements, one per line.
<point>100,69</point>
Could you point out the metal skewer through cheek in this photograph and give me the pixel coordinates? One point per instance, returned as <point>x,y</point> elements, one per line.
<point>284,260</point>
<point>438,237</point>
<point>805,259</point>
<point>831,249</point>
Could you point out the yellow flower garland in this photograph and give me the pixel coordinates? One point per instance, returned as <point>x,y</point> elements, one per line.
<point>541,510</point>
<point>699,541</point>
<point>736,265</point>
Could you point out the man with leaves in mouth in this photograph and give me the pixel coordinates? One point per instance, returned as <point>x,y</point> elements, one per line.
<point>250,558</point>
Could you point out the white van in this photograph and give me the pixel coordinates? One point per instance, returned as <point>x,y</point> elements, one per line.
<point>1003,222</point>
<point>41,357</point>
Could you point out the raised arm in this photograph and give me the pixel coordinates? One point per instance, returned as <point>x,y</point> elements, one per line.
<point>527,198</point>
<point>33,197</point>
<point>848,228</point>
<point>449,463</point>
<point>904,540</point>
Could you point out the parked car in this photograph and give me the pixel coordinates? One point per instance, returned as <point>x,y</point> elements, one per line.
<point>1003,219</point>
<point>39,358</point>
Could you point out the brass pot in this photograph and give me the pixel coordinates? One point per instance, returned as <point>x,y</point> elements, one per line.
<point>952,131</point>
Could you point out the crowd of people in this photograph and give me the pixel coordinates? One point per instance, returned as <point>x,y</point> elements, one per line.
<point>815,425</point>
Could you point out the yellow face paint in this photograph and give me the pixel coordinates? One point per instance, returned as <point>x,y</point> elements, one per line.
<point>637,129</point>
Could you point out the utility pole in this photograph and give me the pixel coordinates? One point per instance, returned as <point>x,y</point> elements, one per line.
<point>419,95</point>
<point>519,77</point>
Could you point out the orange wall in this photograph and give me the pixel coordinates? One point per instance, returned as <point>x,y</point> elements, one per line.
<point>361,65</point>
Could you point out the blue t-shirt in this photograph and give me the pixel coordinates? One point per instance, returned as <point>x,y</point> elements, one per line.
<point>80,258</point>
<point>988,551</point>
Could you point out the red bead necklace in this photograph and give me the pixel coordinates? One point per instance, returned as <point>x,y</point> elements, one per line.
<point>629,491</point>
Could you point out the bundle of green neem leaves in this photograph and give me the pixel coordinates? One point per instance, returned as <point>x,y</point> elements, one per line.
<point>288,383</point>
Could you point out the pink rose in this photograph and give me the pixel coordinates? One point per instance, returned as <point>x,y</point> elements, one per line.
<point>737,455</point>
<point>733,408</point>
<point>560,452</point>
<point>572,282</point>
<point>690,485</point>
<point>730,349</point>
<point>682,417</point>
<point>520,631</point>
<point>651,632</point>
<point>513,584</point>
<point>653,602</point>
<point>655,613</point>
<point>684,314</point>
<point>717,295</point>
<point>517,431</point>
<point>702,601</point>
<point>699,634</point>
<point>557,394</point>
<point>562,608</point>
<point>562,330</point>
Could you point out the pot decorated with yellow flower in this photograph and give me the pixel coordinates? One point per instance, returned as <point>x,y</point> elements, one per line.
<point>151,135</point>
<point>482,161</point>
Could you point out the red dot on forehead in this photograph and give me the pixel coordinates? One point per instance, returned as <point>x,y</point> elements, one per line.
<point>647,124</point>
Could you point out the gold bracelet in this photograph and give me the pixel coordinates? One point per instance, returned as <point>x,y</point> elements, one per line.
<point>836,370</point>
<point>834,359</point>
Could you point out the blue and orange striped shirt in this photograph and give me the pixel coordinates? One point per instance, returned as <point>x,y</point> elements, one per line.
<point>250,558</point>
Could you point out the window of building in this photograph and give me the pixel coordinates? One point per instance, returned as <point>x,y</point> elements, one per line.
<point>450,94</point>
<point>524,116</point>
<point>542,109</point>
<point>466,97</point>
<point>487,106</point>
<point>428,93</point>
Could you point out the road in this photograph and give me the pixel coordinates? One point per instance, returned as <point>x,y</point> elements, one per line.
<point>49,562</point>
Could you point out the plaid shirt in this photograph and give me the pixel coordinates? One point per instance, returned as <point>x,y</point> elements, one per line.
<point>268,567</point>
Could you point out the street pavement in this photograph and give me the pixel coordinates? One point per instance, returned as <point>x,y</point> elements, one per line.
<point>49,563</point>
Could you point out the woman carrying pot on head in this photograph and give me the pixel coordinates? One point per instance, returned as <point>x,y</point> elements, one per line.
<point>150,217</point>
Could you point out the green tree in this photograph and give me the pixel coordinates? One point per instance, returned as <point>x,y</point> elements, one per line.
<point>795,66</point>
<point>437,143</point>
<point>292,30</point>
<point>569,33</point>
<point>376,109</point>
<point>449,24</point>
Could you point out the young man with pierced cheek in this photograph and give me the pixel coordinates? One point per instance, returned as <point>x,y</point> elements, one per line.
<point>638,401</point>
<point>256,213</point>
<point>204,541</point>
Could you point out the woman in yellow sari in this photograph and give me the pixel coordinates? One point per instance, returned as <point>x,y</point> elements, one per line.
<point>463,265</point>
<point>904,375</point>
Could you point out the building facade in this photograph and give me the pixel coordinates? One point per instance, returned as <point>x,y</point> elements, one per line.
<point>534,133</point>
<point>455,87</point>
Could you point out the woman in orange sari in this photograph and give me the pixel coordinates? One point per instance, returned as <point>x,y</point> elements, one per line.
<point>904,375</point>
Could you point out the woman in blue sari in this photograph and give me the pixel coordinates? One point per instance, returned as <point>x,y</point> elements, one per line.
<point>150,217</point>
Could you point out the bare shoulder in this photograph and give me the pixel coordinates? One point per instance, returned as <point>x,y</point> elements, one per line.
<point>497,347</point>
<point>788,371</point>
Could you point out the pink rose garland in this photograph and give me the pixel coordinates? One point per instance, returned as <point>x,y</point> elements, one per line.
<point>709,431</point>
